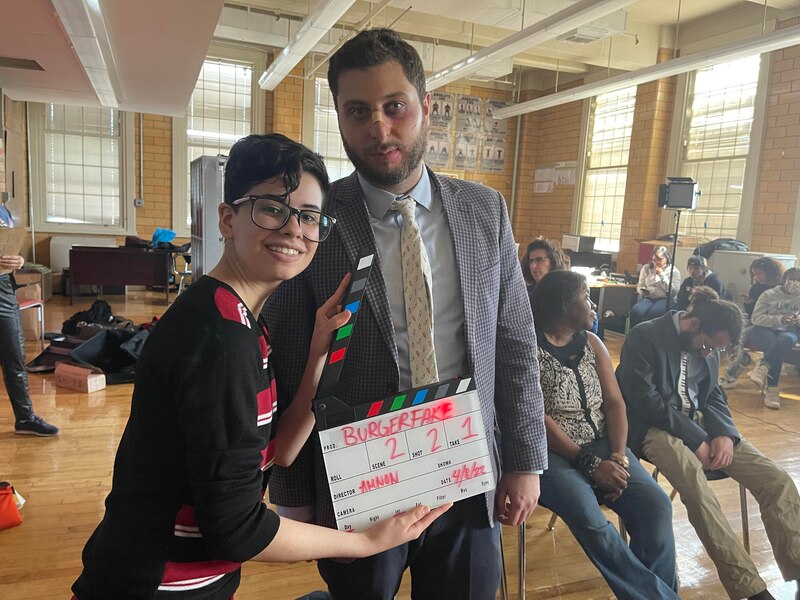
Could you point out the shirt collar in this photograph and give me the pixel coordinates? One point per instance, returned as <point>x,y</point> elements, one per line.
<point>379,200</point>
<point>676,319</point>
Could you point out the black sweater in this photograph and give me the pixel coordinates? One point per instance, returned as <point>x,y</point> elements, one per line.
<point>191,469</point>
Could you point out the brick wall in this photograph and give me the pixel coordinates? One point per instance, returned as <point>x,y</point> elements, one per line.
<point>157,174</point>
<point>285,106</point>
<point>548,136</point>
<point>647,164</point>
<point>779,171</point>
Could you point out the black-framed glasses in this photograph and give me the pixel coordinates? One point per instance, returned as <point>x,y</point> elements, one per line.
<point>271,212</point>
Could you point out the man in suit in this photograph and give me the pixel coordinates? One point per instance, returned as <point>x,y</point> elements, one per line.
<point>678,419</point>
<point>481,319</point>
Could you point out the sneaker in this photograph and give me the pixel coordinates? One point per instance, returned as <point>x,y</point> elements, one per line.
<point>759,375</point>
<point>727,382</point>
<point>772,398</point>
<point>35,426</point>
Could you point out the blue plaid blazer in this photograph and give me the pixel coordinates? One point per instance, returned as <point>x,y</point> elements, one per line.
<point>500,340</point>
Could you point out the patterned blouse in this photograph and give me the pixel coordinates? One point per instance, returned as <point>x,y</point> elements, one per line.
<point>573,397</point>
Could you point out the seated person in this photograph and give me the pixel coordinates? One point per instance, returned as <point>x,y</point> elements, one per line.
<point>589,464</point>
<point>699,274</point>
<point>765,274</point>
<point>776,329</point>
<point>185,509</point>
<point>680,421</point>
<point>654,287</point>
<point>541,257</point>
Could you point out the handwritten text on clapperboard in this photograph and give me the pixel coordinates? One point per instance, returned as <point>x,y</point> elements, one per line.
<point>430,453</point>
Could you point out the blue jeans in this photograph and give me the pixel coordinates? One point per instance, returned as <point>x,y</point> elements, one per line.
<point>646,309</point>
<point>646,568</point>
<point>776,346</point>
<point>12,352</point>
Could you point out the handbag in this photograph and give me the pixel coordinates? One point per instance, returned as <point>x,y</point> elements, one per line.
<point>9,512</point>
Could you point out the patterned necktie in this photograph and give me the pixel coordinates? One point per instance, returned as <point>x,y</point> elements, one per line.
<point>418,295</point>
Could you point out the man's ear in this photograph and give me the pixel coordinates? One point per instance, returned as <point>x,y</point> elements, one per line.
<point>226,212</point>
<point>694,323</point>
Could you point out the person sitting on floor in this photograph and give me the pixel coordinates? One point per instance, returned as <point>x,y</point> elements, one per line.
<point>699,274</point>
<point>654,287</point>
<point>765,274</point>
<point>679,420</point>
<point>775,332</point>
<point>589,463</point>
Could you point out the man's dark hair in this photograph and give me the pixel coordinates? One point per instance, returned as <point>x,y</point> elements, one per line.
<point>256,158</point>
<point>793,273</point>
<point>374,47</point>
<point>555,295</point>
<point>716,316</point>
<point>558,258</point>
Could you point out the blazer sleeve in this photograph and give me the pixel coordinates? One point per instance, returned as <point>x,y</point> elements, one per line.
<point>290,313</point>
<point>640,389</point>
<point>716,414</point>
<point>519,404</point>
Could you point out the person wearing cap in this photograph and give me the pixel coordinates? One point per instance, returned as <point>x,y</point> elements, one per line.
<point>699,274</point>
<point>12,347</point>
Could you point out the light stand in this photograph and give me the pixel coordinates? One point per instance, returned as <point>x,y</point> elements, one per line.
<point>674,250</point>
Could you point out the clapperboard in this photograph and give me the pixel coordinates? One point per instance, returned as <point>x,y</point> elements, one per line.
<point>426,445</point>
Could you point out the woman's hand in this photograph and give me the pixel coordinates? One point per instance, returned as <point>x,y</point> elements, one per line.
<point>11,263</point>
<point>402,528</point>
<point>611,477</point>
<point>330,317</point>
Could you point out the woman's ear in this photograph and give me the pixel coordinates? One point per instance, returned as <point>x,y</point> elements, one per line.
<point>226,213</point>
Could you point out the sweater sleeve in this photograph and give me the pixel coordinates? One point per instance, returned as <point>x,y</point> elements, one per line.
<point>217,415</point>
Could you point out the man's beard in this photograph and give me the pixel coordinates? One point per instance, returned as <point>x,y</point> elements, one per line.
<point>411,158</point>
<point>686,339</point>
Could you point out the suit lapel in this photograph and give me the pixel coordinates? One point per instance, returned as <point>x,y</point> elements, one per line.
<point>458,212</point>
<point>353,223</point>
<point>672,347</point>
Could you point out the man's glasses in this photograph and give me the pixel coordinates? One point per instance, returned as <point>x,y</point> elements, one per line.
<point>271,212</point>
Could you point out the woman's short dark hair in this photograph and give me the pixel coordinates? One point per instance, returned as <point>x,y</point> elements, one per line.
<point>716,315</point>
<point>555,295</point>
<point>558,258</point>
<point>772,268</point>
<point>793,273</point>
<point>372,48</point>
<point>257,158</point>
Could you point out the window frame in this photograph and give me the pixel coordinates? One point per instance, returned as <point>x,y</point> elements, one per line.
<point>309,130</point>
<point>180,147</point>
<point>678,133</point>
<point>38,187</point>
<point>587,120</point>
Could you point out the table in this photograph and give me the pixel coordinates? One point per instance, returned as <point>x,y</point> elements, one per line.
<point>617,297</point>
<point>97,265</point>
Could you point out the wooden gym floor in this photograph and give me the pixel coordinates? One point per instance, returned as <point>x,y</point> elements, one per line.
<point>65,480</point>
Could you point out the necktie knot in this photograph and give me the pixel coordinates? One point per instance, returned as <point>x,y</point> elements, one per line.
<point>405,206</point>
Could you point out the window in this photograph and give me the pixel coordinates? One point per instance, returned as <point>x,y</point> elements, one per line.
<point>716,143</point>
<point>225,106</point>
<point>81,183</point>
<point>610,124</point>
<point>327,140</point>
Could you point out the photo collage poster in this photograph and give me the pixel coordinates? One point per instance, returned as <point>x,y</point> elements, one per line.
<point>479,139</point>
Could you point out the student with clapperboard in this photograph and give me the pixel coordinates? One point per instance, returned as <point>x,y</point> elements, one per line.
<point>186,509</point>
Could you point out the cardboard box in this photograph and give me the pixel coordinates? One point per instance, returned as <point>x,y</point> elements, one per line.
<point>36,274</point>
<point>80,378</point>
<point>30,318</point>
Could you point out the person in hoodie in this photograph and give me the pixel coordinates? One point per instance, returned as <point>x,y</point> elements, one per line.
<point>699,275</point>
<point>776,320</point>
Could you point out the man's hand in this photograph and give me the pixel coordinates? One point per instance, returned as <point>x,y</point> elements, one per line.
<point>721,453</point>
<point>516,497</point>
<point>703,453</point>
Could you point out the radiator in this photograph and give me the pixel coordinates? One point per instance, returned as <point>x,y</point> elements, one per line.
<point>60,245</point>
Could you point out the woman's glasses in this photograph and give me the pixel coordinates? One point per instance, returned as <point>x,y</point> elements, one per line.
<point>271,212</point>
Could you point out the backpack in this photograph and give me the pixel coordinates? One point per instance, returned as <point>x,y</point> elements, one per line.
<point>99,312</point>
<point>706,250</point>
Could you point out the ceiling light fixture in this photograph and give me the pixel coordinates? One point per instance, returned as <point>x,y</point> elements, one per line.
<point>776,40</point>
<point>542,31</point>
<point>313,28</point>
<point>83,22</point>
